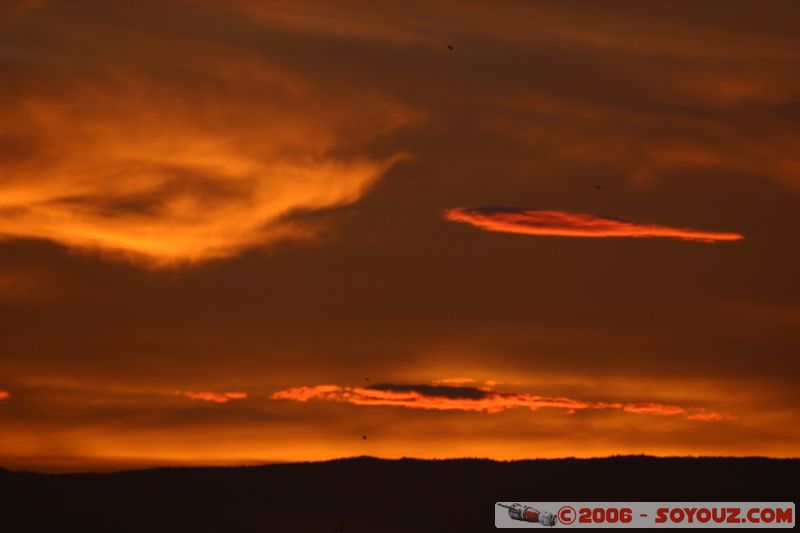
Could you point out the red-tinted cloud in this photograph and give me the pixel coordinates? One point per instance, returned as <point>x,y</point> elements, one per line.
<point>216,397</point>
<point>707,416</point>
<point>4,395</point>
<point>565,224</point>
<point>453,381</point>
<point>451,398</point>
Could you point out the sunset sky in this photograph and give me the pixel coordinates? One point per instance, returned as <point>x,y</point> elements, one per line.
<point>251,231</point>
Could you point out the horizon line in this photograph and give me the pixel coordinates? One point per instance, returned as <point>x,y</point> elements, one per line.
<point>263,464</point>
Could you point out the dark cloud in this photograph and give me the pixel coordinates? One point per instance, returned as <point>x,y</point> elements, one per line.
<point>443,391</point>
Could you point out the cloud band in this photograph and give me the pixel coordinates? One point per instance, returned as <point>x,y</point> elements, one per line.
<point>483,399</point>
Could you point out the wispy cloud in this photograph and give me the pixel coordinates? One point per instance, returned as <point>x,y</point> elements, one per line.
<point>565,224</point>
<point>215,397</point>
<point>705,416</point>
<point>165,159</point>
<point>478,399</point>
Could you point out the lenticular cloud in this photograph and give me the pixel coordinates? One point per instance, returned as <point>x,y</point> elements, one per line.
<point>565,224</point>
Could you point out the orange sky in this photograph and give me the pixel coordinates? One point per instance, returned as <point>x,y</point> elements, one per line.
<point>228,230</point>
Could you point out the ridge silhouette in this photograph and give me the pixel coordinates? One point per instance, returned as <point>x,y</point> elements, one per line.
<point>365,494</point>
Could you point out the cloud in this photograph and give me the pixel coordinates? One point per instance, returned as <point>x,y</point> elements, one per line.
<point>454,381</point>
<point>4,395</point>
<point>486,400</point>
<point>215,397</point>
<point>435,391</point>
<point>703,416</point>
<point>165,159</point>
<point>652,409</point>
<point>565,224</point>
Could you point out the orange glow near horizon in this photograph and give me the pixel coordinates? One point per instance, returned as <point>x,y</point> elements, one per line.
<point>564,224</point>
<point>408,421</point>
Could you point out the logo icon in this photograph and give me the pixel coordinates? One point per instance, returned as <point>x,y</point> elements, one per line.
<point>528,514</point>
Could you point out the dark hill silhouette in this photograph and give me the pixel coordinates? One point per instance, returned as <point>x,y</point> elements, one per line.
<point>370,495</point>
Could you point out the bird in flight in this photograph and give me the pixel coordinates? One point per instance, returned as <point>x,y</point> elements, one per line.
<point>363,437</point>
<point>449,46</point>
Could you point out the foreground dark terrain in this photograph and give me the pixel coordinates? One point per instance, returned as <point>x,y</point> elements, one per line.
<point>370,495</point>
